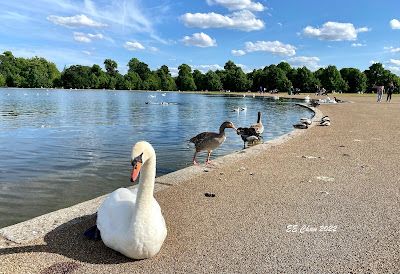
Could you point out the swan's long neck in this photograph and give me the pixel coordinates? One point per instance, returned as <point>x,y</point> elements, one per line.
<point>144,198</point>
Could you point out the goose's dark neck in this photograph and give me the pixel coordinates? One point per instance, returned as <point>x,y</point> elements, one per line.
<point>259,117</point>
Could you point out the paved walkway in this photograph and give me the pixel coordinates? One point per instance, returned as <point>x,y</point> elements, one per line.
<point>269,210</point>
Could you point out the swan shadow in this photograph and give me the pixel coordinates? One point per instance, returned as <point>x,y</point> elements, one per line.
<point>68,240</point>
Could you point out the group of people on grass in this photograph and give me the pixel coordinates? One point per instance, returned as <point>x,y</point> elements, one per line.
<point>381,89</point>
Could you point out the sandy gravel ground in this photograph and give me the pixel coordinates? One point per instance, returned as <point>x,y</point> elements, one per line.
<point>345,176</point>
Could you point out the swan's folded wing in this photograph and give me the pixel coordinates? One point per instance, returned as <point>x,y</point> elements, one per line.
<point>116,211</point>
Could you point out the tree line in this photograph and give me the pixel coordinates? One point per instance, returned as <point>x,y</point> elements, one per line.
<point>37,72</point>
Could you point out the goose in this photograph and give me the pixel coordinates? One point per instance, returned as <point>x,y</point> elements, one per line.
<point>210,140</point>
<point>248,134</point>
<point>300,125</point>
<point>130,221</point>
<point>325,123</point>
<point>306,120</point>
<point>325,118</point>
<point>337,100</point>
<point>258,126</point>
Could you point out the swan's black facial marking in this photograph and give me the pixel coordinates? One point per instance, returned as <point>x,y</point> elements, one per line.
<point>138,159</point>
<point>137,165</point>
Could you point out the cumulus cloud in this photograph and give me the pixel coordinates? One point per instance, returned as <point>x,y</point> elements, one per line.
<point>274,47</point>
<point>133,45</point>
<point>395,70</point>
<point>238,52</point>
<point>392,49</point>
<point>238,4</point>
<point>395,62</point>
<point>199,40</point>
<point>205,68</point>
<point>356,45</point>
<point>87,38</point>
<point>334,31</point>
<point>305,61</point>
<point>75,21</point>
<point>395,24</point>
<point>242,20</point>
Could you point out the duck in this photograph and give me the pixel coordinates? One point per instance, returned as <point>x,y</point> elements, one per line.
<point>236,109</point>
<point>248,135</point>
<point>301,125</point>
<point>130,221</point>
<point>259,127</point>
<point>210,140</point>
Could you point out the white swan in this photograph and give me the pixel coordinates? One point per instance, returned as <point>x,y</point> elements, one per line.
<point>131,222</point>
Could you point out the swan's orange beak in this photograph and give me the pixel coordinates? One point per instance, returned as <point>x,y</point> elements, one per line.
<point>135,171</point>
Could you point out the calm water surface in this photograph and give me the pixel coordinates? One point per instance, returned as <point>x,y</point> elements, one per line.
<point>61,147</point>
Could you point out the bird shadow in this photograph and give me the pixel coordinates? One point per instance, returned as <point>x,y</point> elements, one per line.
<point>68,240</point>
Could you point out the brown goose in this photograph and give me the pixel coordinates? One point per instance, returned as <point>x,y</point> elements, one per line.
<point>258,126</point>
<point>210,140</point>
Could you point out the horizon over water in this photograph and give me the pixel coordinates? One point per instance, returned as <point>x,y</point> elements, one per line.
<point>62,147</point>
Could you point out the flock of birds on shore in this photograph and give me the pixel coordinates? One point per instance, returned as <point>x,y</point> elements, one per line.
<point>130,221</point>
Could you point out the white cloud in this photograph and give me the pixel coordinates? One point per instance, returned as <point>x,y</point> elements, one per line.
<point>395,24</point>
<point>301,61</point>
<point>238,52</point>
<point>392,49</point>
<point>395,70</point>
<point>243,20</point>
<point>134,45</point>
<point>205,68</point>
<point>355,45</point>
<point>87,38</point>
<point>199,40</point>
<point>274,47</point>
<point>75,21</point>
<point>334,31</point>
<point>238,4</point>
<point>395,62</point>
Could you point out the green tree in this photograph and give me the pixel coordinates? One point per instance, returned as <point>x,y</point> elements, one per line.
<point>304,79</point>
<point>285,67</point>
<point>152,82</point>
<point>235,79</point>
<point>355,79</point>
<point>166,80</point>
<point>142,69</point>
<point>276,79</point>
<point>111,67</point>
<point>185,81</point>
<point>377,75</point>
<point>331,79</point>
<point>213,82</point>
<point>132,81</point>
<point>76,76</point>
<point>199,79</point>
<point>2,80</point>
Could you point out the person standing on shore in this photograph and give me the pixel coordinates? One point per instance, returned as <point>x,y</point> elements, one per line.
<point>379,93</point>
<point>390,92</point>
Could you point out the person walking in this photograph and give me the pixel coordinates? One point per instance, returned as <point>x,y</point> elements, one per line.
<point>390,91</point>
<point>379,93</point>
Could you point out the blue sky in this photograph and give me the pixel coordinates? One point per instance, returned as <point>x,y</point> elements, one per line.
<point>205,33</point>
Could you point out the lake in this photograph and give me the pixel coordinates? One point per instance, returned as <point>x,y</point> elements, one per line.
<point>62,147</point>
